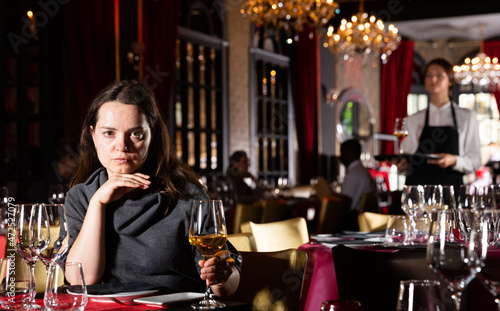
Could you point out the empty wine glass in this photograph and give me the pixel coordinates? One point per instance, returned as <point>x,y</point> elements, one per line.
<point>467,197</point>
<point>412,203</point>
<point>486,197</point>
<point>431,198</point>
<point>400,131</point>
<point>452,250</point>
<point>490,271</point>
<point>58,246</point>
<point>208,234</point>
<point>23,217</point>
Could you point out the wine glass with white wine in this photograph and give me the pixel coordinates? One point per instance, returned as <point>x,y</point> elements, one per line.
<point>208,234</point>
<point>400,131</point>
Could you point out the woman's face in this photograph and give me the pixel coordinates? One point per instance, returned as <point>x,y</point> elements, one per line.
<point>121,138</point>
<point>436,80</point>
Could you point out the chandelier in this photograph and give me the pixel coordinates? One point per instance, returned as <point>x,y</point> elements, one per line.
<point>290,15</point>
<point>480,73</point>
<point>361,36</point>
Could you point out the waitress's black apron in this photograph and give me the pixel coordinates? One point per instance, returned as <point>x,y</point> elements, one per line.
<point>435,139</point>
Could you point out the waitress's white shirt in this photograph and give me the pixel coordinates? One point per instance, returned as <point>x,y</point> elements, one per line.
<point>469,148</point>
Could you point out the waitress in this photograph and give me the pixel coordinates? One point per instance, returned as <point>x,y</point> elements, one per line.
<point>444,130</point>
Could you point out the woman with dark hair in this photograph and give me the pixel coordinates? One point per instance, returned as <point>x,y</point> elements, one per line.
<point>129,206</point>
<point>445,130</point>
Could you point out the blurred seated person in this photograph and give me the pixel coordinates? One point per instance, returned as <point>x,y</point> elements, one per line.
<point>242,183</point>
<point>60,173</point>
<point>357,180</point>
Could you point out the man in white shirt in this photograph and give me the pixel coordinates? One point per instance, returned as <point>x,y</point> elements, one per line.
<point>357,180</point>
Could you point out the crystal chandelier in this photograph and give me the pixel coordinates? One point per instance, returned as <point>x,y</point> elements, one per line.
<point>290,15</point>
<point>480,73</point>
<point>362,36</point>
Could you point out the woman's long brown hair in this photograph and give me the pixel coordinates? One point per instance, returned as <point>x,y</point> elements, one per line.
<point>162,163</point>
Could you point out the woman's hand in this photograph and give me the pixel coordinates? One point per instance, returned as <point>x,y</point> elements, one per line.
<point>217,269</point>
<point>445,161</point>
<point>220,273</point>
<point>120,184</point>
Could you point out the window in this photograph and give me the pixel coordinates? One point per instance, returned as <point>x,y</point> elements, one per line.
<point>200,89</point>
<point>271,111</point>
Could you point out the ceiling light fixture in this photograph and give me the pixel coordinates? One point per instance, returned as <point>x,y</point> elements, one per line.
<point>362,36</point>
<point>481,73</point>
<point>290,15</point>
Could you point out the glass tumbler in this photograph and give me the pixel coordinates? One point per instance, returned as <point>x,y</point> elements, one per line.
<point>14,286</point>
<point>396,230</point>
<point>65,297</point>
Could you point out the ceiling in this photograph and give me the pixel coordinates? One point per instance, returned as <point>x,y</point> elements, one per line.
<point>427,20</point>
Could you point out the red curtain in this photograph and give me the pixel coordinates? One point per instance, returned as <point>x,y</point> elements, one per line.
<point>159,35</point>
<point>305,97</point>
<point>492,49</point>
<point>89,64</point>
<point>395,86</point>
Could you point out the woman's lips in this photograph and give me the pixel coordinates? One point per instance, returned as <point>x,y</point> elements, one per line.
<point>120,160</point>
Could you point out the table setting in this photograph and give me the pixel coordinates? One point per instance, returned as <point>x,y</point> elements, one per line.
<point>459,243</point>
<point>40,234</point>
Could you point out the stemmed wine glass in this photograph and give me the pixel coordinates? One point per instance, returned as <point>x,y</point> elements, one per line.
<point>208,234</point>
<point>452,251</point>
<point>490,272</point>
<point>57,225</point>
<point>400,131</point>
<point>467,197</point>
<point>412,203</point>
<point>25,230</point>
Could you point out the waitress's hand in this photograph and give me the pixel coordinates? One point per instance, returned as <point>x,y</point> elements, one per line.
<point>446,160</point>
<point>119,185</point>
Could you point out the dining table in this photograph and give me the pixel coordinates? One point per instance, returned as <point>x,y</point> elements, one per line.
<point>320,280</point>
<point>186,306</point>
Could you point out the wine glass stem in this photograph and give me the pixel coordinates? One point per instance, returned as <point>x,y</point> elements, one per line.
<point>413,230</point>
<point>32,285</point>
<point>457,299</point>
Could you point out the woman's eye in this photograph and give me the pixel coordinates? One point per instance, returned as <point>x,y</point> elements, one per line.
<point>137,134</point>
<point>108,133</point>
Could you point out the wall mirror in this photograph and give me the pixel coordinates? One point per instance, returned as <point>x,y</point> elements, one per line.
<point>354,117</point>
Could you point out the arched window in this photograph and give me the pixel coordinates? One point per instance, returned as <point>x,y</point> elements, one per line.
<point>200,88</point>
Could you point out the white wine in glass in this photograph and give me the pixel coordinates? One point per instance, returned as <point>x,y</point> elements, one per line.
<point>400,131</point>
<point>208,234</point>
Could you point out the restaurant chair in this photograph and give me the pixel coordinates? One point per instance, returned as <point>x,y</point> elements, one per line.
<point>273,210</point>
<point>279,235</point>
<point>372,277</point>
<point>369,222</point>
<point>243,241</point>
<point>272,280</point>
<point>369,203</point>
<point>331,214</point>
<point>322,188</point>
<point>246,212</point>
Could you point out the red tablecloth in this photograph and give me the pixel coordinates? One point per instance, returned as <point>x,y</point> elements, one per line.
<point>320,282</point>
